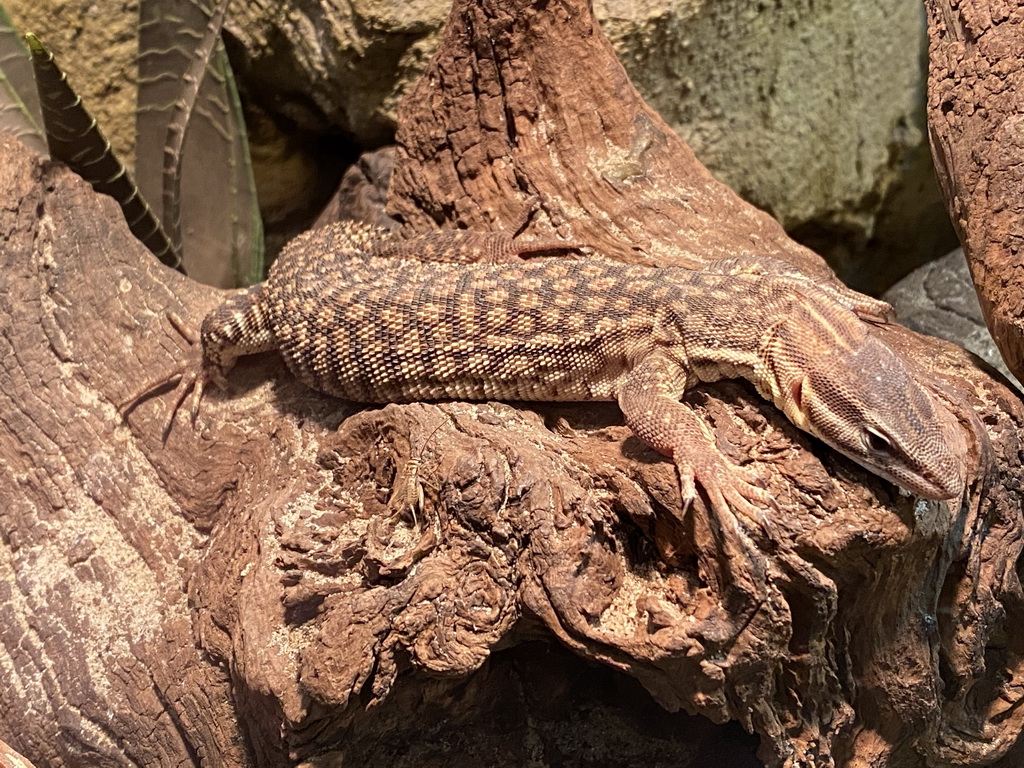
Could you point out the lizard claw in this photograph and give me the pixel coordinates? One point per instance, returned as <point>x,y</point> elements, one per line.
<point>190,378</point>
<point>737,495</point>
<point>192,381</point>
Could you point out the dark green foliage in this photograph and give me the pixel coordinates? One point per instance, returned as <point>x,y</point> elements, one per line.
<point>192,152</point>
<point>191,147</point>
<point>75,139</point>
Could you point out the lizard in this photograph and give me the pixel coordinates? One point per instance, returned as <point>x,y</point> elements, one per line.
<point>458,314</point>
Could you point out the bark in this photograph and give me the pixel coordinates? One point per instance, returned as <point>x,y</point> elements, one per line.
<point>976,120</point>
<point>11,759</point>
<point>247,595</point>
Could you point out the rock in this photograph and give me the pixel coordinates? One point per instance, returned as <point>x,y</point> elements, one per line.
<point>975,103</point>
<point>938,299</point>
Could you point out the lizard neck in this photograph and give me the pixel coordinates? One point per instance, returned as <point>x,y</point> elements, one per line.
<point>809,331</point>
<point>768,330</point>
<point>724,323</point>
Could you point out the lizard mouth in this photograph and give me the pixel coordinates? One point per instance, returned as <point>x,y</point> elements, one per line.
<point>945,483</point>
<point>923,483</point>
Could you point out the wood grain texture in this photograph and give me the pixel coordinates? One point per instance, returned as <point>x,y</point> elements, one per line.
<point>547,109</point>
<point>245,595</point>
<point>976,122</point>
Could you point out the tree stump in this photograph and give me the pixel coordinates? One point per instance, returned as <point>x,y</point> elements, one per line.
<point>247,594</point>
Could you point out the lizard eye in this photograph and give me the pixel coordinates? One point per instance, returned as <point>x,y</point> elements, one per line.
<point>876,441</point>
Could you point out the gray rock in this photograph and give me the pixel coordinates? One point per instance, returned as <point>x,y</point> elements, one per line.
<point>939,299</point>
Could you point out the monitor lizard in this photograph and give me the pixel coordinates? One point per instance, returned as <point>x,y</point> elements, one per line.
<point>458,314</point>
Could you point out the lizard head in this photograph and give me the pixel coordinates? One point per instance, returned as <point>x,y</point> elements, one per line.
<point>861,398</point>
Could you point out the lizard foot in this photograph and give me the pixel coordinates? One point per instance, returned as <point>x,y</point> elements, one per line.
<point>737,495</point>
<point>737,501</point>
<point>874,311</point>
<point>866,308</point>
<point>190,378</point>
<point>871,310</point>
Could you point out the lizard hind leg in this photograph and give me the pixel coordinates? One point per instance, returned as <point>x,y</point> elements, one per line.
<point>517,245</point>
<point>824,281</point>
<point>189,378</point>
<point>240,326</point>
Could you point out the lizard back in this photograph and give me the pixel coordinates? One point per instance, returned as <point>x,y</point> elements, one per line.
<point>378,330</point>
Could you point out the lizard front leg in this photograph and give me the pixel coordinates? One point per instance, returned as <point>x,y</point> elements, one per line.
<point>649,399</point>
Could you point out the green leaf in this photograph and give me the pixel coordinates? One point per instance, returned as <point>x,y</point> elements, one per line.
<point>191,146</point>
<point>19,103</point>
<point>76,140</point>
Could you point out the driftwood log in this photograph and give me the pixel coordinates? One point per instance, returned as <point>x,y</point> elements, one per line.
<point>247,595</point>
<point>976,123</point>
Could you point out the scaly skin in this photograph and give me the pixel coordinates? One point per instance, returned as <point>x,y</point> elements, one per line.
<point>458,315</point>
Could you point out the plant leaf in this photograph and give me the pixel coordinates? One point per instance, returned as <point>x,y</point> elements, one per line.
<point>191,146</point>
<point>19,102</point>
<point>76,140</point>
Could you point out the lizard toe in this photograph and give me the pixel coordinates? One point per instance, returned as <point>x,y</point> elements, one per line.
<point>190,383</point>
<point>687,486</point>
<point>737,494</point>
